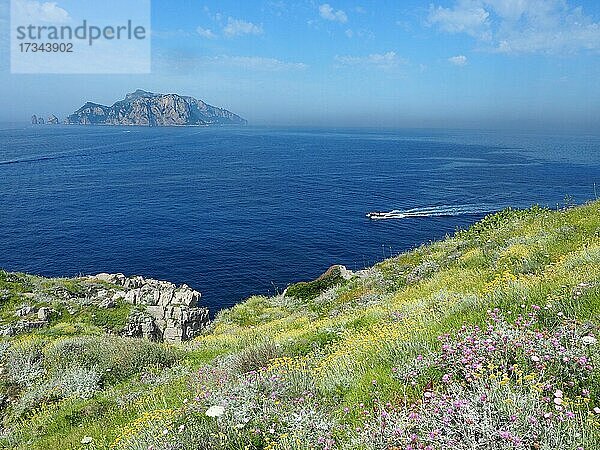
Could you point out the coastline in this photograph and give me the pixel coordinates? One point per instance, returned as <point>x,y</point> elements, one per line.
<point>343,339</point>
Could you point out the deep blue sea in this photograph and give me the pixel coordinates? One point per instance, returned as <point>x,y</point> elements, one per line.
<point>234,212</point>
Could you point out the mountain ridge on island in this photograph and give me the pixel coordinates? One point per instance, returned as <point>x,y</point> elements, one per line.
<point>143,108</point>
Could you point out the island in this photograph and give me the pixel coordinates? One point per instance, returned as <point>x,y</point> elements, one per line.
<point>144,108</point>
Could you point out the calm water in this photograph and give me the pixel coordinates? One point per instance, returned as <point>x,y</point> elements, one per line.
<point>233,212</point>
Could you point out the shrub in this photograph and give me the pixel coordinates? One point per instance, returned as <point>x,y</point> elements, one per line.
<point>115,358</point>
<point>422,271</point>
<point>24,361</point>
<point>255,357</point>
<point>311,289</point>
<point>74,381</point>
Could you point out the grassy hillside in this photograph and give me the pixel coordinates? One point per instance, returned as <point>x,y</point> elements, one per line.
<point>485,340</point>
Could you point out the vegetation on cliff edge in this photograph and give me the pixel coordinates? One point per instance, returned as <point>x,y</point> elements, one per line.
<point>486,339</point>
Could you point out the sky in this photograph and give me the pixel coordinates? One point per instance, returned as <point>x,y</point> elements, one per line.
<point>524,64</point>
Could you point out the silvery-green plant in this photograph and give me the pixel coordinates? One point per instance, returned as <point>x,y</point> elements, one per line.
<point>24,362</point>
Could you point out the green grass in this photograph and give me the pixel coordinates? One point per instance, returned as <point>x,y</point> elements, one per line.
<point>349,334</point>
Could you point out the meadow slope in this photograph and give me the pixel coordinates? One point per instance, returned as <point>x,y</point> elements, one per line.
<point>484,340</point>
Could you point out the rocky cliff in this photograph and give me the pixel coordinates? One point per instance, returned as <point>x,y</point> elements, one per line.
<point>165,311</point>
<point>149,109</point>
<point>129,306</point>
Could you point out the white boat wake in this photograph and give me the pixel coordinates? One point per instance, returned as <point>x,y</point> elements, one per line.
<point>433,211</point>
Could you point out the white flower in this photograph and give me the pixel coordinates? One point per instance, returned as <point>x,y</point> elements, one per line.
<point>215,411</point>
<point>558,401</point>
<point>597,410</point>
<point>181,428</point>
<point>86,440</point>
<point>535,358</point>
<point>165,431</point>
<point>589,340</point>
<point>558,393</point>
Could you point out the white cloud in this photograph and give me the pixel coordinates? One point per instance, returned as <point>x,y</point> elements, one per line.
<point>238,27</point>
<point>206,33</point>
<point>349,33</point>
<point>327,12</point>
<point>387,60</point>
<point>254,63</point>
<point>35,12</point>
<point>521,26</point>
<point>467,16</point>
<point>459,60</point>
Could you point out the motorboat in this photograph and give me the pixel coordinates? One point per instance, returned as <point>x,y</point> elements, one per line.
<point>381,215</point>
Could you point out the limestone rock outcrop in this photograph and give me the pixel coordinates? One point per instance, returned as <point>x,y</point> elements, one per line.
<point>166,312</point>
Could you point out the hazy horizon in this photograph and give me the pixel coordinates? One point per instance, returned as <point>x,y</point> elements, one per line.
<point>473,64</point>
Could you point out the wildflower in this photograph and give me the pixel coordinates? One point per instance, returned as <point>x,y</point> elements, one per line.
<point>558,393</point>
<point>181,428</point>
<point>589,340</point>
<point>597,410</point>
<point>86,440</point>
<point>585,392</point>
<point>165,432</point>
<point>215,411</point>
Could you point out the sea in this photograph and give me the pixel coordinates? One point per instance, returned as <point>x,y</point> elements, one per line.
<point>235,212</point>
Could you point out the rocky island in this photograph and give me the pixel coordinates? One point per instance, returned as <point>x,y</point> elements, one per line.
<point>144,108</point>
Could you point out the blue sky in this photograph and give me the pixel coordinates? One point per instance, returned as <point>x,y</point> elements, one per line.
<point>437,63</point>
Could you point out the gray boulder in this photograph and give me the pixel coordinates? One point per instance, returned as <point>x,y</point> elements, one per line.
<point>44,313</point>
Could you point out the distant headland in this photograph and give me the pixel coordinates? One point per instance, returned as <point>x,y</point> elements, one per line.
<point>142,108</point>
